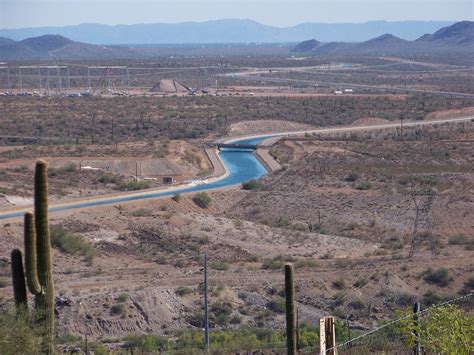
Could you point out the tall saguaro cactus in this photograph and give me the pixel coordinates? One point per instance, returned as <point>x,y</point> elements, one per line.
<point>45,299</point>
<point>38,261</point>
<point>290,309</point>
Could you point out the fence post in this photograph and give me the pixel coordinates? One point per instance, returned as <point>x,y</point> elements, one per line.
<point>290,310</point>
<point>327,336</point>
<point>322,336</point>
<point>416,321</point>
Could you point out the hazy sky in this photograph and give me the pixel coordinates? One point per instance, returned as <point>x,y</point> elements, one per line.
<point>32,13</point>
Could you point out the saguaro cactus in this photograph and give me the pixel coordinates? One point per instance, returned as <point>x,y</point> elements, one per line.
<point>45,299</point>
<point>18,277</point>
<point>290,309</point>
<point>39,273</point>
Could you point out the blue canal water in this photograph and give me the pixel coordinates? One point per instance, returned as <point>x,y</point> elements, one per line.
<point>242,166</point>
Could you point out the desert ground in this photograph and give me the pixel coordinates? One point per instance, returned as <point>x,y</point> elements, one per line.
<point>341,208</point>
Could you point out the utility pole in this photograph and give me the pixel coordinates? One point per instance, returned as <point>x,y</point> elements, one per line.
<point>39,78</point>
<point>128,81</point>
<point>206,308</point>
<point>58,73</point>
<point>68,79</point>
<point>47,79</point>
<point>8,79</point>
<point>88,80</point>
<point>21,84</point>
<point>401,128</point>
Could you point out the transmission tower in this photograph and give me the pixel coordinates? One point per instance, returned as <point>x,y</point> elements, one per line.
<point>423,225</point>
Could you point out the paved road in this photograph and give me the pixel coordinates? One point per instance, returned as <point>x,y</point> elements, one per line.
<point>117,198</point>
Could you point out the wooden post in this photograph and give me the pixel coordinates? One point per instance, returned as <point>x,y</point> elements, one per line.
<point>322,336</point>
<point>327,336</point>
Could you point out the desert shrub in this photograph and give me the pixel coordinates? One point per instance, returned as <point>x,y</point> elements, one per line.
<point>404,299</point>
<point>305,262</point>
<point>273,264</point>
<point>236,319</point>
<point>134,185</point>
<point>351,177</point>
<point>458,239</point>
<point>123,297</point>
<point>298,226</point>
<point>356,304</point>
<point>282,222</point>
<point>339,312</point>
<point>220,313</point>
<point>68,168</point>
<point>71,243</point>
<point>183,291</point>
<point>141,212</point>
<point>219,265</point>
<point>277,305</point>
<point>109,179</point>
<point>327,255</point>
<point>438,277</point>
<point>469,283</point>
<point>177,197</point>
<point>202,200</point>
<point>118,309</point>
<point>461,239</point>
<point>339,284</point>
<point>251,185</point>
<point>18,334</point>
<point>360,282</point>
<point>148,342</point>
<point>364,186</point>
<point>317,228</point>
<point>67,338</point>
<point>430,298</point>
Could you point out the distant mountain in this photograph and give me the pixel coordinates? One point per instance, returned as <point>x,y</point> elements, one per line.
<point>4,40</point>
<point>458,37</point>
<point>307,46</point>
<point>229,31</point>
<point>459,33</point>
<point>59,47</point>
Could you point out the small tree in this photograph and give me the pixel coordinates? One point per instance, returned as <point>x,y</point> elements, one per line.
<point>445,330</point>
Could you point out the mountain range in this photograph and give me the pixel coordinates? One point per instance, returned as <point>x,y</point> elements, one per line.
<point>455,39</point>
<point>228,31</point>
<point>458,37</point>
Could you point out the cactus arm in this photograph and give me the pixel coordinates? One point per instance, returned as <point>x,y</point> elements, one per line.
<point>18,278</point>
<point>30,255</point>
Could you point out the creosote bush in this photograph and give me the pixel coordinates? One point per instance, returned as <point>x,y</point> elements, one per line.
<point>438,277</point>
<point>251,185</point>
<point>72,243</point>
<point>202,200</point>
